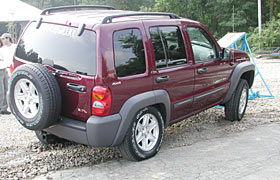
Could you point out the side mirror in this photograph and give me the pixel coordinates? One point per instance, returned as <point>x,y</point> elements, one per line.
<point>226,54</point>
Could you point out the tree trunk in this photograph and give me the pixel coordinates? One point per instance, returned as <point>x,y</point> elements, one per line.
<point>271,11</point>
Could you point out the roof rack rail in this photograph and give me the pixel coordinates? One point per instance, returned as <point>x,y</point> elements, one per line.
<point>48,10</point>
<point>109,19</point>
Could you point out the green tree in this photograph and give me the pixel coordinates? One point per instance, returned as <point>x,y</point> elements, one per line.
<point>274,8</point>
<point>217,15</point>
<point>119,4</point>
<point>270,36</point>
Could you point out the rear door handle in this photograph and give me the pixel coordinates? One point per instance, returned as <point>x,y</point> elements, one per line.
<point>162,79</point>
<point>76,87</point>
<point>202,70</point>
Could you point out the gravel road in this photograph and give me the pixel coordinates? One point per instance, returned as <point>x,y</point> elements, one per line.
<point>22,156</point>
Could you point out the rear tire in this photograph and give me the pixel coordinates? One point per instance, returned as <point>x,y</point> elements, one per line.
<point>144,136</point>
<point>236,107</point>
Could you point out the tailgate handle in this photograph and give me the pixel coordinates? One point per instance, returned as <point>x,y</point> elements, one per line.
<point>76,87</point>
<point>162,79</point>
<point>202,70</point>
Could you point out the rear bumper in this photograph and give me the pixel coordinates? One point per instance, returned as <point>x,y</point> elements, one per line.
<point>97,131</point>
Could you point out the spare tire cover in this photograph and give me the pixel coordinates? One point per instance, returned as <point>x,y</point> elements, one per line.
<point>34,96</point>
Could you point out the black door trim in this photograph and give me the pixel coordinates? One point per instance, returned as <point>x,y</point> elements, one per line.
<point>184,102</point>
<point>208,93</point>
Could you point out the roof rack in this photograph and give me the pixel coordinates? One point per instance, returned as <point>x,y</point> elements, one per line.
<point>49,10</point>
<point>109,19</point>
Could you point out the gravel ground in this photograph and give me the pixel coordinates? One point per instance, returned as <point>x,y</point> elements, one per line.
<point>22,156</point>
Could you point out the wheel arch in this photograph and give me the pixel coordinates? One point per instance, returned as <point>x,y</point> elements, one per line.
<point>157,98</point>
<point>249,77</point>
<point>244,70</point>
<point>162,109</point>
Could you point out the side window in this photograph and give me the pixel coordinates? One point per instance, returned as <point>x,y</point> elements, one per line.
<point>169,47</point>
<point>204,49</point>
<point>129,53</point>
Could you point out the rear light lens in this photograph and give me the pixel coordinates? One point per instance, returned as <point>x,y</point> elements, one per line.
<point>101,101</point>
<point>12,68</point>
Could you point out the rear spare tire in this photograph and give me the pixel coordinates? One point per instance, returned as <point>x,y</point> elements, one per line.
<point>34,96</point>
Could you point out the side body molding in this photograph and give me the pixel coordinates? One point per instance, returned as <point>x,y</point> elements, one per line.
<point>138,102</point>
<point>239,70</point>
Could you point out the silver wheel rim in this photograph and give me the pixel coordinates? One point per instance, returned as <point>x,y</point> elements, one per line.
<point>147,132</point>
<point>243,101</point>
<point>26,98</point>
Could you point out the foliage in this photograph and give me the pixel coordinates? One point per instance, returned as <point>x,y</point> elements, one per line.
<point>219,16</point>
<point>119,4</point>
<point>216,15</point>
<point>11,28</point>
<point>274,8</point>
<point>270,36</point>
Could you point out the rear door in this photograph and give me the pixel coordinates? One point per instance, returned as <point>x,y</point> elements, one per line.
<point>211,72</point>
<point>172,70</point>
<point>70,56</point>
<point>126,65</point>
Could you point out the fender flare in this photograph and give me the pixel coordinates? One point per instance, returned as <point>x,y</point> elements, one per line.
<point>138,102</point>
<point>239,70</point>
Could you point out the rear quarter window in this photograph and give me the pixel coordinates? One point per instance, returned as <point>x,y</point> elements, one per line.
<point>60,47</point>
<point>129,53</point>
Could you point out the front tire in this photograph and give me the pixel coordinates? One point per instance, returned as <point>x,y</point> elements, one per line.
<point>144,136</point>
<point>236,107</point>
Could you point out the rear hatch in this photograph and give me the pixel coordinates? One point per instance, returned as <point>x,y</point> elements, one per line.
<point>71,57</point>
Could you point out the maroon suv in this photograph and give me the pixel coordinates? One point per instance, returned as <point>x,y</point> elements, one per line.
<point>105,77</point>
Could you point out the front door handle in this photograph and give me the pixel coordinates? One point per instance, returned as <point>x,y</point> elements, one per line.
<point>162,79</point>
<point>76,87</point>
<point>202,70</point>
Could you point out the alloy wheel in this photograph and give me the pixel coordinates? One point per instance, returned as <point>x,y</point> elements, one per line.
<point>26,98</point>
<point>147,132</point>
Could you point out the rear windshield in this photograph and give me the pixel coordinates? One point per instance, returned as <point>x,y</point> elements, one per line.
<point>59,46</point>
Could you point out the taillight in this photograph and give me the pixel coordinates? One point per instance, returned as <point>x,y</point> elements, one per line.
<point>12,68</point>
<point>101,101</point>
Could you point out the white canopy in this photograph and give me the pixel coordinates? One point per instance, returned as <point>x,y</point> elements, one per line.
<point>16,10</point>
<point>230,38</point>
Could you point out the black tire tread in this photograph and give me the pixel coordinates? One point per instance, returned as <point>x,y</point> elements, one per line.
<point>231,107</point>
<point>54,89</point>
<point>125,150</point>
<point>125,147</point>
<point>51,90</point>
